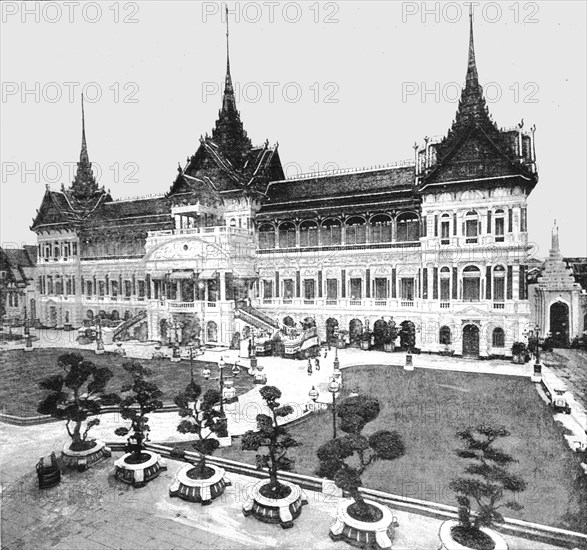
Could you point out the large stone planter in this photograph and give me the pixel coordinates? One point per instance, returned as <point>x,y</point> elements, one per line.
<point>270,510</point>
<point>199,490</point>
<point>82,460</point>
<point>448,543</point>
<point>138,475</point>
<point>363,534</point>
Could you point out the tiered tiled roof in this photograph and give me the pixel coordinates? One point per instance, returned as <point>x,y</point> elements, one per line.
<point>475,147</point>
<point>387,187</point>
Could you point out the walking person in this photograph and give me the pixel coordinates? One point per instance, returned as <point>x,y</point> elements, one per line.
<point>309,367</point>
<point>317,364</point>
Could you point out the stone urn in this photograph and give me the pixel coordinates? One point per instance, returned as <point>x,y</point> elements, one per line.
<point>204,490</point>
<point>137,470</point>
<point>83,459</point>
<point>373,534</point>
<point>447,542</point>
<point>275,510</point>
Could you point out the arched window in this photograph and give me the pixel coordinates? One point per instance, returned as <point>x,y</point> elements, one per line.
<point>287,235</point>
<point>499,226</point>
<point>444,335</point>
<point>498,338</point>
<point>381,229</point>
<point>356,231</point>
<point>308,233</point>
<point>266,236</point>
<point>471,226</point>
<point>445,229</point>
<point>498,283</point>
<point>445,284</point>
<point>331,232</point>
<point>233,222</point>
<point>212,331</point>
<point>408,227</point>
<point>471,283</point>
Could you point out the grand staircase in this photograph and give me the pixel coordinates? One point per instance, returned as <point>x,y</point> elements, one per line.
<point>256,318</point>
<point>129,323</point>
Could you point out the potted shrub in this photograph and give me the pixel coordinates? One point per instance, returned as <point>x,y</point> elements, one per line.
<point>201,482</point>
<point>273,500</point>
<point>358,519</point>
<point>75,396</point>
<point>519,352</point>
<point>485,486</point>
<point>138,466</point>
<point>389,337</point>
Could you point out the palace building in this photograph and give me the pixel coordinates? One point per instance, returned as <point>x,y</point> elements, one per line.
<point>439,243</point>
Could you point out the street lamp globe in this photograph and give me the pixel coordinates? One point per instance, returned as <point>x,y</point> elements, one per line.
<point>333,386</point>
<point>206,373</point>
<point>236,370</point>
<point>313,394</point>
<point>221,363</point>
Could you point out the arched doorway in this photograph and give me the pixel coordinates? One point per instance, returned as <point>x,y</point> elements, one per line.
<point>331,327</point>
<point>355,331</point>
<point>211,332</point>
<point>471,341</point>
<point>559,324</point>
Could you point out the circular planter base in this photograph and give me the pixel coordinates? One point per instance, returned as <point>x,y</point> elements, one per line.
<point>278,510</point>
<point>362,534</point>
<point>199,490</point>
<point>448,543</point>
<point>82,460</point>
<point>138,475</point>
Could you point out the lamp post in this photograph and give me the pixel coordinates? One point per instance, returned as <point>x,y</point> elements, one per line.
<point>537,373</point>
<point>99,341</point>
<point>28,345</point>
<point>333,388</point>
<point>175,353</point>
<point>253,358</point>
<point>193,349</point>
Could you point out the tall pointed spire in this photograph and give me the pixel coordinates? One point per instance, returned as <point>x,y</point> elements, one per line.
<point>472,76</point>
<point>84,185</point>
<point>228,101</point>
<point>555,247</point>
<point>83,157</point>
<point>228,132</point>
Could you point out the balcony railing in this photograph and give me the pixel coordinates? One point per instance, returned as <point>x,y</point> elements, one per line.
<point>444,305</point>
<point>407,303</point>
<point>498,305</point>
<point>215,230</point>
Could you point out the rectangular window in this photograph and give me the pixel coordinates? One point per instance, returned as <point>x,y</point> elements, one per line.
<point>436,226</point>
<point>445,290</point>
<point>74,247</point>
<point>471,289</point>
<point>407,288</point>
<point>380,288</point>
<point>356,289</point>
<point>127,288</point>
<point>471,228</point>
<point>309,289</point>
<point>267,289</point>
<point>510,220</point>
<point>489,222</point>
<point>141,289</point>
<point>288,289</point>
<point>499,229</point>
<point>445,232</point>
<point>331,289</point>
<point>101,288</point>
<point>114,288</point>
<point>498,289</point>
<point>523,219</point>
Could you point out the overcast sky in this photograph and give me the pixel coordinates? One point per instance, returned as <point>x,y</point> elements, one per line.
<point>337,84</point>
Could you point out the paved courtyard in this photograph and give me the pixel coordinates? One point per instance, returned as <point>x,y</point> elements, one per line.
<point>93,511</point>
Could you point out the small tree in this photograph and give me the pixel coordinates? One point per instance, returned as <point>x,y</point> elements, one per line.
<point>275,438</point>
<point>485,487</point>
<point>354,413</point>
<point>199,418</point>
<point>145,398</point>
<point>76,395</point>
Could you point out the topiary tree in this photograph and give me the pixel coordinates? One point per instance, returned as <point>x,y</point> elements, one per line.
<point>354,413</point>
<point>143,398</point>
<point>200,417</point>
<point>76,395</point>
<point>275,439</point>
<point>486,485</point>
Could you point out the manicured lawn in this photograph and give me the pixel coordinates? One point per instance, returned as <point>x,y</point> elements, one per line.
<point>427,407</point>
<point>21,373</point>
